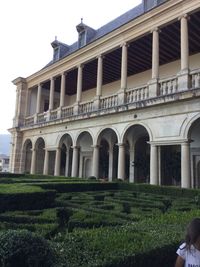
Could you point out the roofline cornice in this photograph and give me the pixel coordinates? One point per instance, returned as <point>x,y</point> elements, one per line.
<point>162,15</point>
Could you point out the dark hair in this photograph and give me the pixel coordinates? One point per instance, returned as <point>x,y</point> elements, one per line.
<point>193,232</point>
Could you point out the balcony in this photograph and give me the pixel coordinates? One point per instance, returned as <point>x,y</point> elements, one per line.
<point>132,98</point>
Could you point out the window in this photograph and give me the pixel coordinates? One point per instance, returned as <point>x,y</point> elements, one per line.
<point>56,53</point>
<point>82,39</point>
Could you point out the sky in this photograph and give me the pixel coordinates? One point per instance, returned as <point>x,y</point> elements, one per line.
<point>27,29</point>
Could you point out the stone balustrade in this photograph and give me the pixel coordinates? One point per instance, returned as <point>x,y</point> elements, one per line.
<point>67,112</point>
<point>166,87</point>
<point>195,77</point>
<point>109,102</point>
<point>137,94</point>
<point>86,107</point>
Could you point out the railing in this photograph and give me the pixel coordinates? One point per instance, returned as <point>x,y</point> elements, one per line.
<point>42,117</point>
<point>29,121</point>
<point>109,102</point>
<point>67,112</point>
<point>86,107</point>
<point>195,77</point>
<point>136,94</point>
<point>168,86</point>
<point>53,115</point>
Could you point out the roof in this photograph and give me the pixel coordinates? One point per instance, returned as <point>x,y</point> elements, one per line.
<point>93,35</point>
<point>102,31</point>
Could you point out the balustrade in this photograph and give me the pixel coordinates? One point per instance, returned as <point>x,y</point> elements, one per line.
<point>42,117</point>
<point>195,76</point>
<point>168,86</point>
<point>137,94</point>
<point>86,107</point>
<point>109,102</point>
<point>53,115</point>
<point>29,121</point>
<point>67,112</point>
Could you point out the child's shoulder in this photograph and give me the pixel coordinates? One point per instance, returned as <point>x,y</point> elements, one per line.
<point>182,246</point>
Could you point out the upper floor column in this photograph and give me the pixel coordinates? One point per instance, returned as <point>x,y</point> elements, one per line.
<point>79,83</point>
<point>62,90</point>
<point>52,89</point>
<point>153,84</point>
<point>124,63</point>
<point>99,76</point>
<point>184,43</point>
<point>183,75</point>
<point>155,53</point>
<point>39,93</point>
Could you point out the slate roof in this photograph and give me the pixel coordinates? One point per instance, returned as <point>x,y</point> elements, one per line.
<point>107,28</point>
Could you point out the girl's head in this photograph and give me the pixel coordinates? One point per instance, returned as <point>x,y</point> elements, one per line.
<point>193,232</point>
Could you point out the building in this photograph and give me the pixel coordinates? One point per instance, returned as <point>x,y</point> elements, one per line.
<point>4,163</point>
<point>121,102</point>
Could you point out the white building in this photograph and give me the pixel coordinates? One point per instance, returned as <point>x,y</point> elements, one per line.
<point>122,102</point>
<point>4,163</point>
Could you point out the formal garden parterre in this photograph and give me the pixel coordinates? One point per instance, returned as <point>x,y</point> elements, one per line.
<point>92,223</point>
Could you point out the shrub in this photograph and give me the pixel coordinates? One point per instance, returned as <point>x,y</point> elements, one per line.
<point>22,248</point>
<point>63,215</point>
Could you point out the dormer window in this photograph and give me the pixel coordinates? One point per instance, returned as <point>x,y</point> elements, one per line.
<point>56,53</point>
<point>82,39</point>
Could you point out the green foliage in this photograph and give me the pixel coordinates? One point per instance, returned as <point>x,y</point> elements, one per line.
<point>63,215</point>
<point>23,248</point>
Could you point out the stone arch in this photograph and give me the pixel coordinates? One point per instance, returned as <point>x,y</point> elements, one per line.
<point>26,156</point>
<point>194,139</point>
<point>108,153</point>
<point>85,153</point>
<point>65,144</point>
<point>137,153</point>
<point>40,155</point>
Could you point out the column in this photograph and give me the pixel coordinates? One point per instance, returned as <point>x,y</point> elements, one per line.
<point>99,75</point>
<point>62,91</point>
<point>121,93</point>
<point>183,75</point>
<point>184,43</point>
<point>131,165</point>
<point>75,162</point>
<point>155,54</point>
<point>33,161</point>
<point>79,83</point>
<point>110,164</point>
<point>51,97</point>
<point>95,167</point>
<point>185,165</point>
<point>67,162</point>
<point>121,162</point>
<point>154,165</point>
<point>39,92</point>
<point>57,162</point>
<point>46,162</point>
<point>153,84</point>
<point>124,66</point>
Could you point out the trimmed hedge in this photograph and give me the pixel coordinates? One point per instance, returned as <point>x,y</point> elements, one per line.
<point>27,201</point>
<point>79,187</point>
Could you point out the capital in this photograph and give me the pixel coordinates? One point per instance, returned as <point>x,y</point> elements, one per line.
<point>156,29</point>
<point>184,16</point>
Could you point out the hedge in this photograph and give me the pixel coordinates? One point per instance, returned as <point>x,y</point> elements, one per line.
<point>27,201</point>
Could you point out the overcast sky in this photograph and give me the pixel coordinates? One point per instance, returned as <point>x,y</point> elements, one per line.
<point>29,26</point>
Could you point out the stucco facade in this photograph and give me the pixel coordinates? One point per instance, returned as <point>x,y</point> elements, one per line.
<point>121,104</point>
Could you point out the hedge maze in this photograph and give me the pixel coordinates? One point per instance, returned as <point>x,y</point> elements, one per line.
<point>90,223</point>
